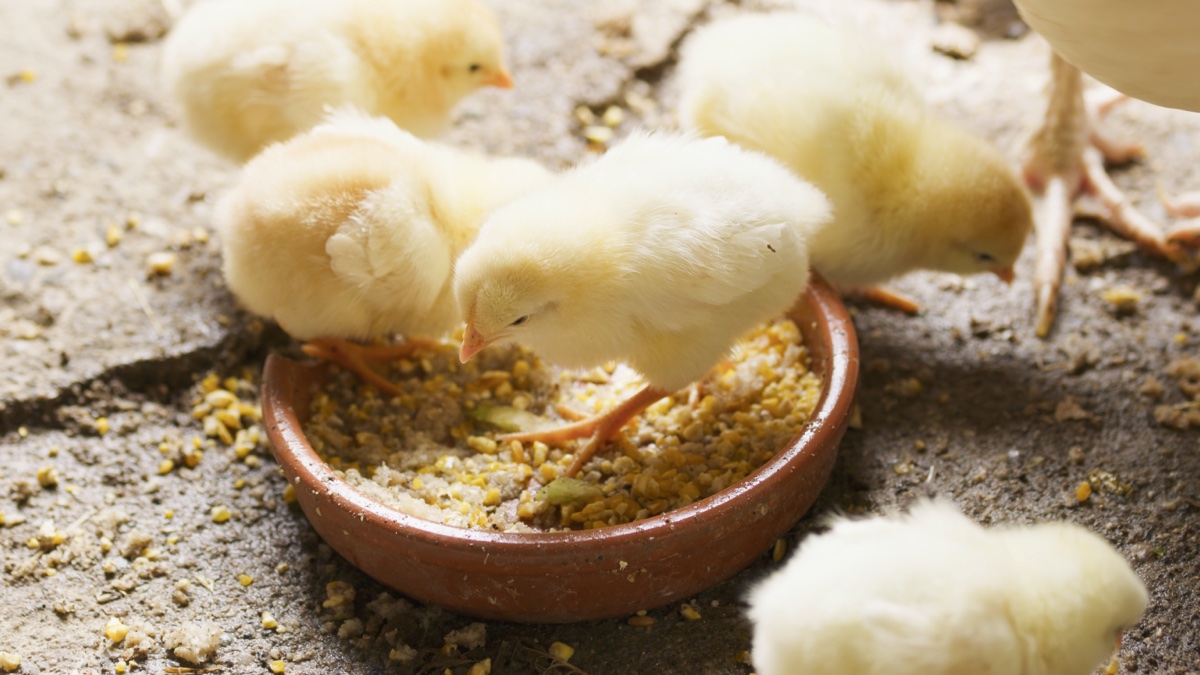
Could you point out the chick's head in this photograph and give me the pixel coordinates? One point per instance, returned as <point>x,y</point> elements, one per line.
<point>499,299</point>
<point>1084,594</point>
<point>546,273</point>
<point>978,210</point>
<point>472,54</point>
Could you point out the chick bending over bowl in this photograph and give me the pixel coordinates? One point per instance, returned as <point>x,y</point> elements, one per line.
<point>249,73</point>
<point>661,253</point>
<point>350,232</point>
<point>933,593</point>
<point>909,190</point>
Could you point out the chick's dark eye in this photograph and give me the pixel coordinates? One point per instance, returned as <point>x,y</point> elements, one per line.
<point>985,257</point>
<point>475,67</point>
<point>520,321</point>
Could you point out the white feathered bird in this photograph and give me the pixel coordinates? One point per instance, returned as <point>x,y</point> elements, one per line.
<point>661,253</point>
<point>933,593</point>
<point>247,73</point>
<point>1144,49</point>
<point>1147,49</point>
<point>350,232</point>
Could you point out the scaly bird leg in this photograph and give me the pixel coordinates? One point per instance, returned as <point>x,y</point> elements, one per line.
<point>1067,161</point>
<point>1186,205</point>
<point>1053,216</point>
<point>1186,233</point>
<point>601,427</point>
<point>354,357</point>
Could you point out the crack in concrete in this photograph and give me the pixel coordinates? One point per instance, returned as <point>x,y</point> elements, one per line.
<point>160,379</point>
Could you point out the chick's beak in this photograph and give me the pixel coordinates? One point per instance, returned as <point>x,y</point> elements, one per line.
<point>471,344</point>
<point>1006,274</point>
<point>501,79</point>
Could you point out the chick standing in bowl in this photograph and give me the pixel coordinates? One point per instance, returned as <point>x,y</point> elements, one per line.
<point>350,232</point>
<point>247,74</point>
<point>909,191</point>
<point>661,253</point>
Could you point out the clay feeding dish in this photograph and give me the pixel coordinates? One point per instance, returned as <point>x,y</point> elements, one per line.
<point>559,577</point>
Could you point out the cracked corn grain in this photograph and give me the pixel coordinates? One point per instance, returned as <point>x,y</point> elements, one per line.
<point>427,453</point>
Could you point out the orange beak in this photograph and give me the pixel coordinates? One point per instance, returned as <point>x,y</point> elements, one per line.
<point>501,79</point>
<point>1006,274</point>
<point>471,344</point>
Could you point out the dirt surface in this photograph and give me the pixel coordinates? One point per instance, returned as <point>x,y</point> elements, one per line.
<point>961,401</point>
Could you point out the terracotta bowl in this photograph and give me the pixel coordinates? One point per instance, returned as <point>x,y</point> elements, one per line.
<point>575,576</point>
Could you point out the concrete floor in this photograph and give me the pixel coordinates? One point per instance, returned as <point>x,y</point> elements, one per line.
<point>1005,424</point>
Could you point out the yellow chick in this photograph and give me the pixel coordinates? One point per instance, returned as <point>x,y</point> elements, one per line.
<point>909,190</point>
<point>933,593</point>
<point>661,253</point>
<point>350,232</point>
<point>251,73</point>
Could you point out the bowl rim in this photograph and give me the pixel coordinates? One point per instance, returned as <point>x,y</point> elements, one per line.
<point>832,321</point>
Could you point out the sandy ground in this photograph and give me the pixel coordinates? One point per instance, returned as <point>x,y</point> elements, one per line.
<point>961,401</point>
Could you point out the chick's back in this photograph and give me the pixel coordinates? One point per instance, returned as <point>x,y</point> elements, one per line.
<point>247,74</point>
<point>660,253</point>
<point>785,84</point>
<point>933,593</point>
<point>351,230</point>
<point>908,190</point>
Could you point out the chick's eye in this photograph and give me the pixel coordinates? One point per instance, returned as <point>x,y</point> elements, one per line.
<point>475,67</point>
<point>985,257</point>
<point>520,321</point>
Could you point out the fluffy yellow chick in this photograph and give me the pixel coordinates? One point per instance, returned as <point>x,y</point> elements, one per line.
<point>661,253</point>
<point>909,190</point>
<point>251,73</point>
<point>933,593</point>
<point>350,232</point>
<point>1144,49</point>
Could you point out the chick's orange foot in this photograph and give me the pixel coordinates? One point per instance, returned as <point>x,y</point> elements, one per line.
<point>355,357</point>
<point>1066,171</point>
<point>882,295</point>
<point>601,428</point>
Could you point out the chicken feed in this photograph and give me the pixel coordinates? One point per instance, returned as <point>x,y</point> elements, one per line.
<point>433,451</point>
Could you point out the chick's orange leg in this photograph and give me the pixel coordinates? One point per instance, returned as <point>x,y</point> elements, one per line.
<point>890,298</point>
<point>1067,161</point>
<point>601,427</point>
<point>353,357</point>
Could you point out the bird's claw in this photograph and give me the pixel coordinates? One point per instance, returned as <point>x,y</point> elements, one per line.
<point>579,428</point>
<point>1185,234</point>
<point>1186,205</point>
<point>1067,164</point>
<point>1053,222</point>
<point>351,357</point>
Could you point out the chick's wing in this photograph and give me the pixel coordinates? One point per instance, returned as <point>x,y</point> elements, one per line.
<point>390,243</point>
<point>713,265</point>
